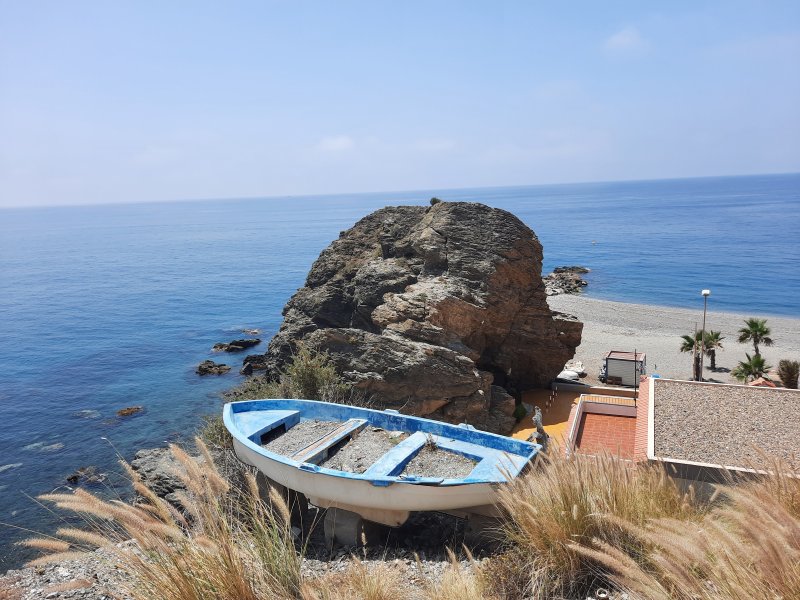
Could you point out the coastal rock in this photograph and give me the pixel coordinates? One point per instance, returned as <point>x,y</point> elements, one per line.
<point>130,410</point>
<point>158,469</point>
<point>256,362</point>
<point>247,369</point>
<point>236,345</point>
<point>565,280</point>
<point>86,474</point>
<point>209,367</point>
<point>429,309</point>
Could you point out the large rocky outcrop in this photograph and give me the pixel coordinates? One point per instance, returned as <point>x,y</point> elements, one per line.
<point>440,311</point>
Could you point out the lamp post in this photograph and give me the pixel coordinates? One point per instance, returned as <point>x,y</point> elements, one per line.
<point>705,294</point>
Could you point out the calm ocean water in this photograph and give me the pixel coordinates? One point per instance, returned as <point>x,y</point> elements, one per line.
<point>112,306</point>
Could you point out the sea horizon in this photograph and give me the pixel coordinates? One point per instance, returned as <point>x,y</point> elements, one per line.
<point>110,306</point>
<point>312,195</point>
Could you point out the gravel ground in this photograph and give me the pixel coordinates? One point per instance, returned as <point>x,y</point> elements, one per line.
<point>300,436</point>
<point>418,549</point>
<point>363,449</point>
<point>656,330</point>
<point>94,577</point>
<point>728,424</point>
<point>432,462</point>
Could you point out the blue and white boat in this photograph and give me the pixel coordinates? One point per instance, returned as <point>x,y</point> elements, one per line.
<point>381,493</point>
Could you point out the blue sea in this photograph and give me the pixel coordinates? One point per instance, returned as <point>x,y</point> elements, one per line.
<point>104,307</point>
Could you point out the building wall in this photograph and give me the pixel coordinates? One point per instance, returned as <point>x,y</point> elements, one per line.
<point>642,420</point>
<point>625,369</point>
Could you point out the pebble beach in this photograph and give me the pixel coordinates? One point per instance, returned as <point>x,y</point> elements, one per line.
<point>657,330</point>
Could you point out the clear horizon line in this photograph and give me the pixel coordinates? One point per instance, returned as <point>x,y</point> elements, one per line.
<point>406,191</point>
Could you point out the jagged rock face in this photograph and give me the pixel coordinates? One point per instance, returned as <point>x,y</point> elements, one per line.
<point>440,311</point>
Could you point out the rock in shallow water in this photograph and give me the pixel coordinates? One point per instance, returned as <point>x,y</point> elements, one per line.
<point>236,345</point>
<point>209,367</point>
<point>429,309</point>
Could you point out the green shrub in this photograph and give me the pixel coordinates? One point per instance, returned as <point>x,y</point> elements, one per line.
<point>310,376</point>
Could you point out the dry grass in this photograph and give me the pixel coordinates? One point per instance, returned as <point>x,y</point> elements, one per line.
<point>572,524</point>
<point>746,550</point>
<point>10,594</point>
<point>460,583</point>
<point>67,586</point>
<point>562,503</point>
<point>359,582</point>
<point>227,544</point>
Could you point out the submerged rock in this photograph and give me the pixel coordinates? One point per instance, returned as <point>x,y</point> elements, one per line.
<point>87,474</point>
<point>131,410</point>
<point>209,367</point>
<point>430,310</point>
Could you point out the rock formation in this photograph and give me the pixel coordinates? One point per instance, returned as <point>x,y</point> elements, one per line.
<point>236,345</point>
<point>209,367</point>
<point>565,280</point>
<point>437,311</point>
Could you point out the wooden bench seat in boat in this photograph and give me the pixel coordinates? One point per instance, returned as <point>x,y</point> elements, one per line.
<point>395,460</point>
<point>253,425</point>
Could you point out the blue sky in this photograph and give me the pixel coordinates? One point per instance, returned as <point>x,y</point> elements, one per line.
<point>146,101</point>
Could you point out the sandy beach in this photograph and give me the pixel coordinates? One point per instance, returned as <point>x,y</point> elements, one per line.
<point>656,330</point>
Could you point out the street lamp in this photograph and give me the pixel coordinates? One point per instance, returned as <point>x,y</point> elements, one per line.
<point>705,294</point>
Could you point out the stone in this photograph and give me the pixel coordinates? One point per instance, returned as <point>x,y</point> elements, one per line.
<point>158,469</point>
<point>247,369</point>
<point>236,345</point>
<point>256,362</point>
<point>130,410</point>
<point>429,309</point>
<point>209,367</point>
<point>87,474</point>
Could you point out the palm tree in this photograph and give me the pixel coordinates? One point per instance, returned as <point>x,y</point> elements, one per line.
<point>692,344</point>
<point>754,367</point>
<point>712,343</point>
<point>755,331</point>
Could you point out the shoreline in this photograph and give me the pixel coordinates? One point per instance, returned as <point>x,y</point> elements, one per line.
<point>656,330</point>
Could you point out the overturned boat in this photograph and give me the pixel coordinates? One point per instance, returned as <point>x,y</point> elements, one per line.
<point>376,465</point>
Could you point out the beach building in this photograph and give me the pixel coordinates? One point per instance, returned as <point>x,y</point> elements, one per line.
<point>702,431</point>
<point>705,430</point>
<point>624,368</point>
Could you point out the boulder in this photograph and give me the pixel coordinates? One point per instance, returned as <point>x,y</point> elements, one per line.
<point>88,474</point>
<point>236,345</point>
<point>439,311</point>
<point>161,471</point>
<point>209,367</point>
<point>255,361</point>
<point>130,410</point>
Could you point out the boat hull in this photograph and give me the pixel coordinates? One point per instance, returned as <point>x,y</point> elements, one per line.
<point>381,493</point>
<point>340,492</point>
